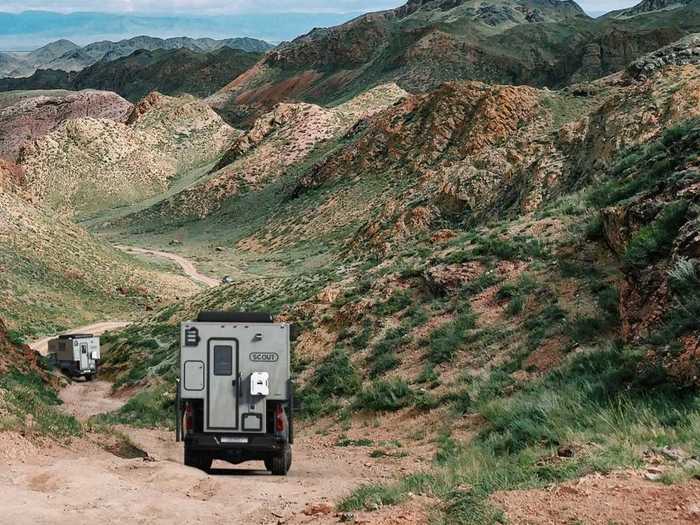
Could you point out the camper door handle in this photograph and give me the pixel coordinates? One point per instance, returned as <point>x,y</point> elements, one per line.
<point>238,384</point>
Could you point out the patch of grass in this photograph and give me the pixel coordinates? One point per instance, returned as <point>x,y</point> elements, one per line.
<point>654,240</point>
<point>151,408</point>
<point>344,441</point>
<point>444,343</point>
<point>383,358</point>
<point>26,394</point>
<point>515,248</point>
<point>600,400</point>
<point>516,293</point>
<point>383,396</point>
<point>400,300</point>
<point>336,377</point>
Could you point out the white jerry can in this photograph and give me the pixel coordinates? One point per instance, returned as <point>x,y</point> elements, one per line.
<point>260,384</point>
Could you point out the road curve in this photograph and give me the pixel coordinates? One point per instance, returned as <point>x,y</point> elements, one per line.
<point>186,265</point>
<point>42,345</point>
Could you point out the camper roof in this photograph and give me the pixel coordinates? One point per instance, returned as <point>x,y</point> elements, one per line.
<point>234,317</point>
<point>76,336</point>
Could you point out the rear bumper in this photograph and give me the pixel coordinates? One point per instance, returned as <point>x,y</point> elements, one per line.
<point>257,444</point>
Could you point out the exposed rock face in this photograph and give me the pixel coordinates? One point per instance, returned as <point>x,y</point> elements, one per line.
<point>27,117</point>
<point>683,52</point>
<point>11,177</point>
<point>649,6</point>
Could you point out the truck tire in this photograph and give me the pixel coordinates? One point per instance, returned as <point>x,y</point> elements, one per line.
<point>281,463</point>
<point>198,460</point>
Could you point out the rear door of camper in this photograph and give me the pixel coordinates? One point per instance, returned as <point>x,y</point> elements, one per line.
<point>223,385</point>
<point>84,351</point>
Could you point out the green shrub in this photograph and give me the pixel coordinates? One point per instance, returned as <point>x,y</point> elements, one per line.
<point>385,396</point>
<point>398,301</point>
<point>444,342</point>
<point>655,240</point>
<point>344,441</point>
<point>383,358</point>
<point>336,376</point>
<point>516,248</point>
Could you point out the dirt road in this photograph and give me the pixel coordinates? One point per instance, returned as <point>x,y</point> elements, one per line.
<point>42,345</point>
<point>186,265</point>
<point>83,482</point>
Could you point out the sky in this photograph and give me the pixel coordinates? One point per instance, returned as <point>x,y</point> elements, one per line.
<point>241,6</point>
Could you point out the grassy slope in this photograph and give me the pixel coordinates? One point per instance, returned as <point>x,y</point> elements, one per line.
<point>56,276</point>
<point>528,336</point>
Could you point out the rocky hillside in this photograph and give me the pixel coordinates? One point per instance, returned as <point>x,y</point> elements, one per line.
<point>89,164</point>
<point>506,277</point>
<point>47,261</point>
<point>28,116</point>
<point>277,142</point>
<point>424,43</point>
<point>650,6</point>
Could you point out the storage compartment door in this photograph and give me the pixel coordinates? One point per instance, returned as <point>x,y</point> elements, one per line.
<point>222,385</point>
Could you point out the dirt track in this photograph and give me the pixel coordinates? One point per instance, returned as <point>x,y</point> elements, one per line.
<point>186,265</point>
<point>42,345</point>
<point>82,482</point>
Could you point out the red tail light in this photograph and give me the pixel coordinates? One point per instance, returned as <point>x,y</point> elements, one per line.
<point>279,419</point>
<point>189,418</point>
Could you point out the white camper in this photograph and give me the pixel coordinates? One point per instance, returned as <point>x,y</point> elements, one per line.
<point>235,394</point>
<point>78,355</point>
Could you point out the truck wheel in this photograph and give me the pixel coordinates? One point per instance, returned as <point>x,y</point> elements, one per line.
<point>198,460</point>
<point>281,463</point>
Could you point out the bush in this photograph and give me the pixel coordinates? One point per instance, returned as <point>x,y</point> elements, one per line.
<point>385,396</point>
<point>655,240</point>
<point>336,376</point>
<point>151,408</point>
<point>383,356</point>
<point>397,302</point>
<point>444,342</point>
<point>516,248</point>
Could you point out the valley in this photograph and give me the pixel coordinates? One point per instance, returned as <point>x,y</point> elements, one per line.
<point>482,217</point>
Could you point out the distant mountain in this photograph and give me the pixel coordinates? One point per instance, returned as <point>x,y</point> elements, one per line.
<point>31,29</point>
<point>426,42</point>
<point>169,71</point>
<point>649,6</point>
<point>64,55</point>
<point>44,55</point>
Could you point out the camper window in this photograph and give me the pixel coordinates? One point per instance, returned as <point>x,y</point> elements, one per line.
<point>223,360</point>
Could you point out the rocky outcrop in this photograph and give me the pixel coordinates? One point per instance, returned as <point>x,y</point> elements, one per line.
<point>11,177</point>
<point>649,6</point>
<point>28,117</point>
<point>683,52</point>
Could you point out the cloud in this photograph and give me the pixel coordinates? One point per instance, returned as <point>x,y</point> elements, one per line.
<point>200,6</point>
<point>241,6</point>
